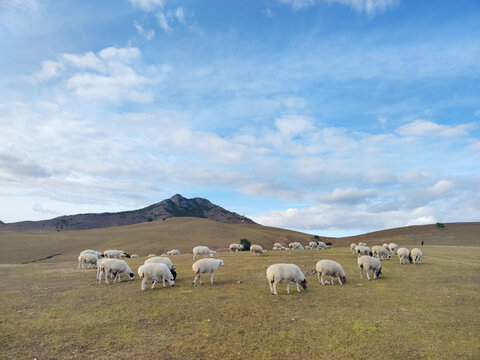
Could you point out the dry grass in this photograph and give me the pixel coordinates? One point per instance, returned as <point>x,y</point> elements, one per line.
<point>430,311</point>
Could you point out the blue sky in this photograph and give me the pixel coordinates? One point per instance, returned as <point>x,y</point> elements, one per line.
<point>333,117</point>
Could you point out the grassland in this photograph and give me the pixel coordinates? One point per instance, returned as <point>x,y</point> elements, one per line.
<point>51,310</point>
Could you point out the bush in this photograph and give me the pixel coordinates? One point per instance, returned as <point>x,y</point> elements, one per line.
<point>246,244</point>
<point>441,226</point>
<point>328,243</point>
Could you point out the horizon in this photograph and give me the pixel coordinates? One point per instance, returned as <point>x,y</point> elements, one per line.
<point>320,116</point>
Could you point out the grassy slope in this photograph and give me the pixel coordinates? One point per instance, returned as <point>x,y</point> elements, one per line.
<point>428,311</point>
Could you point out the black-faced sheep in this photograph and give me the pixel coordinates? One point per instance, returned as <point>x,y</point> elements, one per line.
<point>330,268</point>
<point>115,267</point>
<point>155,272</point>
<point>404,254</point>
<point>285,273</point>
<point>380,252</point>
<point>416,256</point>
<point>115,254</point>
<point>163,260</point>
<point>369,263</point>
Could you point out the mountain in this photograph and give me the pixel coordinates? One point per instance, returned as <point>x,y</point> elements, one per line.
<point>176,206</point>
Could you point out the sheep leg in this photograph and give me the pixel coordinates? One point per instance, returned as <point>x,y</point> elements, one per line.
<point>333,280</point>
<point>271,287</point>
<point>79,264</point>
<point>288,288</point>
<point>154,282</point>
<point>320,278</point>
<point>340,281</point>
<point>298,289</point>
<point>106,277</point>
<point>99,276</point>
<point>368,276</point>
<point>211,279</point>
<point>275,288</point>
<point>361,274</point>
<point>193,257</point>
<point>163,279</point>
<point>144,284</point>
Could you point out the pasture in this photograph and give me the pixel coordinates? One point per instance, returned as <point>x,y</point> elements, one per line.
<point>51,310</point>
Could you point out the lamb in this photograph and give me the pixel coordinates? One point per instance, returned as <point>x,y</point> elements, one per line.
<point>416,255</point>
<point>295,246</point>
<point>369,263</point>
<point>363,250</point>
<point>404,254</point>
<point>380,252</point>
<point>332,268</point>
<point>393,248</point>
<point>163,260</point>
<point>236,247</point>
<point>206,266</point>
<point>115,267</point>
<point>278,247</point>
<point>155,272</point>
<point>87,258</point>
<point>114,254</point>
<point>173,252</point>
<point>362,244</point>
<point>256,249</point>
<point>198,250</point>
<point>284,273</point>
<point>352,247</point>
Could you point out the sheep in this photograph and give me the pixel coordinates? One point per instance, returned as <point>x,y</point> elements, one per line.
<point>312,245</point>
<point>385,245</point>
<point>393,248</point>
<point>416,255</point>
<point>295,246</point>
<point>236,247</point>
<point>362,244</point>
<point>308,247</point>
<point>94,252</point>
<point>284,273</point>
<point>321,245</point>
<point>163,260</point>
<point>363,250</point>
<point>198,250</point>
<point>277,247</point>
<point>173,252</point>
<point>205,266</point>
<point>155,272</point>
<point>332,268</point>
<point>369,263</point>
<point>151,255</point>
<point>380,252</point>
<point>256,249</point>
<point>404,254</point>
<point>87,258</point>
<point>115,267</point>
<point>134,256</point>
<point>352,247</point>
<point>114,254</point>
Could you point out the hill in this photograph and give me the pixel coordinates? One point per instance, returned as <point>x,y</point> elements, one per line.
<point>176,206</point>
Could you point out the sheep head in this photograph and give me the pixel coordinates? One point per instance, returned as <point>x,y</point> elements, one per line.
<point>304,284</point>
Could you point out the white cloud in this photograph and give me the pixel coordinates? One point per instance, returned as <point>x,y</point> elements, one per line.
<point>149,34</point>
<point>179,14</point>
<point>86,61</point>
<point>440,187</point>
<point>20,5</point>
<point>148,5</point>
<point>50,70</point>
<point>163,21</point>
<point>292,125</point>
<point>368,7</point>
<point>431,129</point>
<point>422,220</point>
<point>298,4</point>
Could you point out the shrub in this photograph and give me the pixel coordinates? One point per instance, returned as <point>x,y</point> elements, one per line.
<point>328,243</point>
<point>246,244</point>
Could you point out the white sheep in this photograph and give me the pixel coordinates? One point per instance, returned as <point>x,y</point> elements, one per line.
<point>94,252</point>
<point>163,260</point>
<point>284,273</point>
<point>173,252</point>
<point>199,250</point>
<point>416,255</point>
<point>295,246</point>
<point>393,248</point>
<point>206,266</point>
<point>236,247</point>
<point>321,245</point>
<point>115,254</point>
<point>277,247</point>
<point>134,256</point>
<point>352,247</point>
<point>404,254</point>
<point>256,249</point>
<point>362,244</point>
<point>385,245</point>
<point>151,255</point>
<point>308,247</point>
<point>115,267</point>
<point>363,250</point>
<point>329,267</point>
<point>369,263</point>
<point>155,272</point>
<point>87,258</point>
<point>380,252</point>
<point>312,245</point>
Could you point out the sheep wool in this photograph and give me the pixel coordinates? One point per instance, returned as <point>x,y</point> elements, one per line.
<point>115,267</point>
<point>173,252</point>
<point>380,252</point>
<point>115,254</point>
<point>369,263</point>
<point>205,266</point>
<point>352,247</point>
<point>285,273</point>
<point>155,272</point>
<point>404,254</point>
<point>363,250</point>
<point>199,250</point>
<point>87,258</point>
<point>256,249</point>
<point>236,247</point>
<point>163,260</point>
<point>330,268</point>
<point>416,256</point>
<point>393,248</point>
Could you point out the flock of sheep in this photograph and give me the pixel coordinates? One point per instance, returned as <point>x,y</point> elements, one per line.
<point>161,268</point>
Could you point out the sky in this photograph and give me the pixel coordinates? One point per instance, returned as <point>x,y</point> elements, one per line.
<point>332,117</point>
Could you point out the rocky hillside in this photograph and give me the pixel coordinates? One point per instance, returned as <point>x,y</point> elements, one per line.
<point>176,206</point>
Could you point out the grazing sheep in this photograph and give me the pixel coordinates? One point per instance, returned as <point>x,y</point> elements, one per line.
<point>256,249</point>
<point>332,268</point>
<point>236,247</point>
<point>151,255</point>
<point>369,263</point>
<point>404,254</point>
<point>393,248</point>
<point>94,252</point>
<point>321,245</point>
<point>115,254</point>
<point>295,246</point>
<point>87,258</point>
<point>362,244</point>
<point>352,247</point>
<point>386,246</point>
<point>163,260</point>
<point>115,267</point>
<point>308,247</point>
<point>284,273</point>
<point>155,272</point>
<point>206,266</point>
<point>380,252</point>
<point>173,252</point>
<point>312,245</point>
<point>363,250</point>
<point>134,256</point>
<point>416,255</point>
<point>198,250</point>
